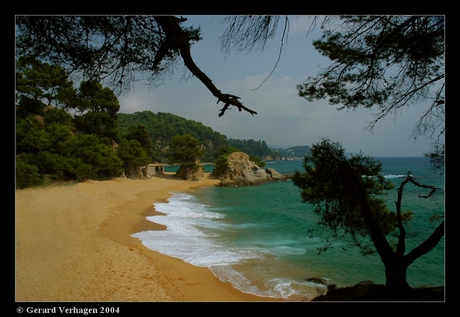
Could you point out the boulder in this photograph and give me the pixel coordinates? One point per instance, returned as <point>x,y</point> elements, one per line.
<point>243,172</point>
<point>190,172</point>
<point>274,174</point>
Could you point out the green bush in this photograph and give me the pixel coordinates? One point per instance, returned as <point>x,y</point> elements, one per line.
<point>27,175</point>
<point>258,161</point>
<point>220,166</point>
<point>133,156</point>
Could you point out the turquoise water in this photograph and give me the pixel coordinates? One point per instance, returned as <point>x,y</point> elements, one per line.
<point>257,237</point>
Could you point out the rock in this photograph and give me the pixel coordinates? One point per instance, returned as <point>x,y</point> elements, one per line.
<point>361,288</point>
<point>190,172</point>
<point>368,291</point>
<point>243,172</point>
<point>274,174</point>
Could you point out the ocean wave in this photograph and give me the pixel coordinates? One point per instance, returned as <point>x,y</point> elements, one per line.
<point>398,176</point>
<point>192,234</point>
<point>285,250</point>
<point>394,176</point>
<point>256,239</point>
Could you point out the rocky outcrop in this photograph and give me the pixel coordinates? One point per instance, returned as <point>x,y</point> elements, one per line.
<point>243,172</point>
<point>274,175</point>
<point>192,172</point>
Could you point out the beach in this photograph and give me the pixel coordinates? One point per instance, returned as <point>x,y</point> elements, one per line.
<point>73,244</point>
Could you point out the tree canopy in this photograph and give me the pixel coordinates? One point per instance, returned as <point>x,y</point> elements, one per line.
<point>386,62</point>
<point>379,62</point>
<point>65,132</point>
<point>40,84</point>
<point>116,49</point>
<point>347,192</point>
<point>185,149</point>
<point>51,143</point>
<point>382,62</point>
<point>162,127</point>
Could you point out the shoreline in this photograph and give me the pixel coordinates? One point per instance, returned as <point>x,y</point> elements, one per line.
<point>73,243</point>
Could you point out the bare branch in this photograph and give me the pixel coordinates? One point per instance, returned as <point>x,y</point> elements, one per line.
<point>175,33</point>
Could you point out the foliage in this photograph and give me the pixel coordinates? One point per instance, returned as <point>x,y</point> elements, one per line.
<point>140,133</point>
<point>58,116</point>
<point>346,194</point>
<point>51,143</point>
<point>162,127</point>
<point>191,166</point>
<point>75,138</point>
<point>380,61</point>
<point>221,163</point>
<point>99,154</point>
<point>39,84</point>
<point>62,155</point>
<point>116,49</point>
<point>184,149</point>
<point>111,48</point>
<point>328,186</point>
<point>133,156</point>
<point>98,107</point>
<point>226,150</point>
<point>387,62</point>
<point>253,148</point>
<point>244,32</point>
<point>258,161</point>
<point>27,175</point>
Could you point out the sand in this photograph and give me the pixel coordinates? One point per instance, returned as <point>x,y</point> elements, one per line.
<point>74,244</point>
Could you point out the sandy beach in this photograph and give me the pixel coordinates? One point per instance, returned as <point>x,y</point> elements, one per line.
<point>73,244</point>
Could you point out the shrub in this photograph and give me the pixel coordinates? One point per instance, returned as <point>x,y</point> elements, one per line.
<point>27,175</point>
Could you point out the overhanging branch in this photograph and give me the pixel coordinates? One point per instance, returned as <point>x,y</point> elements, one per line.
<point>180,40</point>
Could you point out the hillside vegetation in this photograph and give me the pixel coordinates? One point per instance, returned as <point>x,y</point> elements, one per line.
<point>67,132</point>
<point>162,127</point>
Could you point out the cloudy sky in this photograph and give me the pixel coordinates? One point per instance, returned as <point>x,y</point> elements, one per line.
<point>284,118</point>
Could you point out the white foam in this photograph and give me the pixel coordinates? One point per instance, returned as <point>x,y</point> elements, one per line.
<point>191,234</point>
<point>285,250</point>
<point>394,176</point>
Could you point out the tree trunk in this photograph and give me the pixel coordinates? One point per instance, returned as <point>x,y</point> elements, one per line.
<point>395,273</point>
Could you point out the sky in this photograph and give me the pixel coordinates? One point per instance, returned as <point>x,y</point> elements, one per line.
<point>284,119</point>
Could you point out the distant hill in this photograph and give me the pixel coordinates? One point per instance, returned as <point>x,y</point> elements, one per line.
<point>299,151</point>
<point>256,148</point>
<point>163,126</point>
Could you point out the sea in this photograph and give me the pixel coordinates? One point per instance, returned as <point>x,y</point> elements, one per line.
<point>259,238</point>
